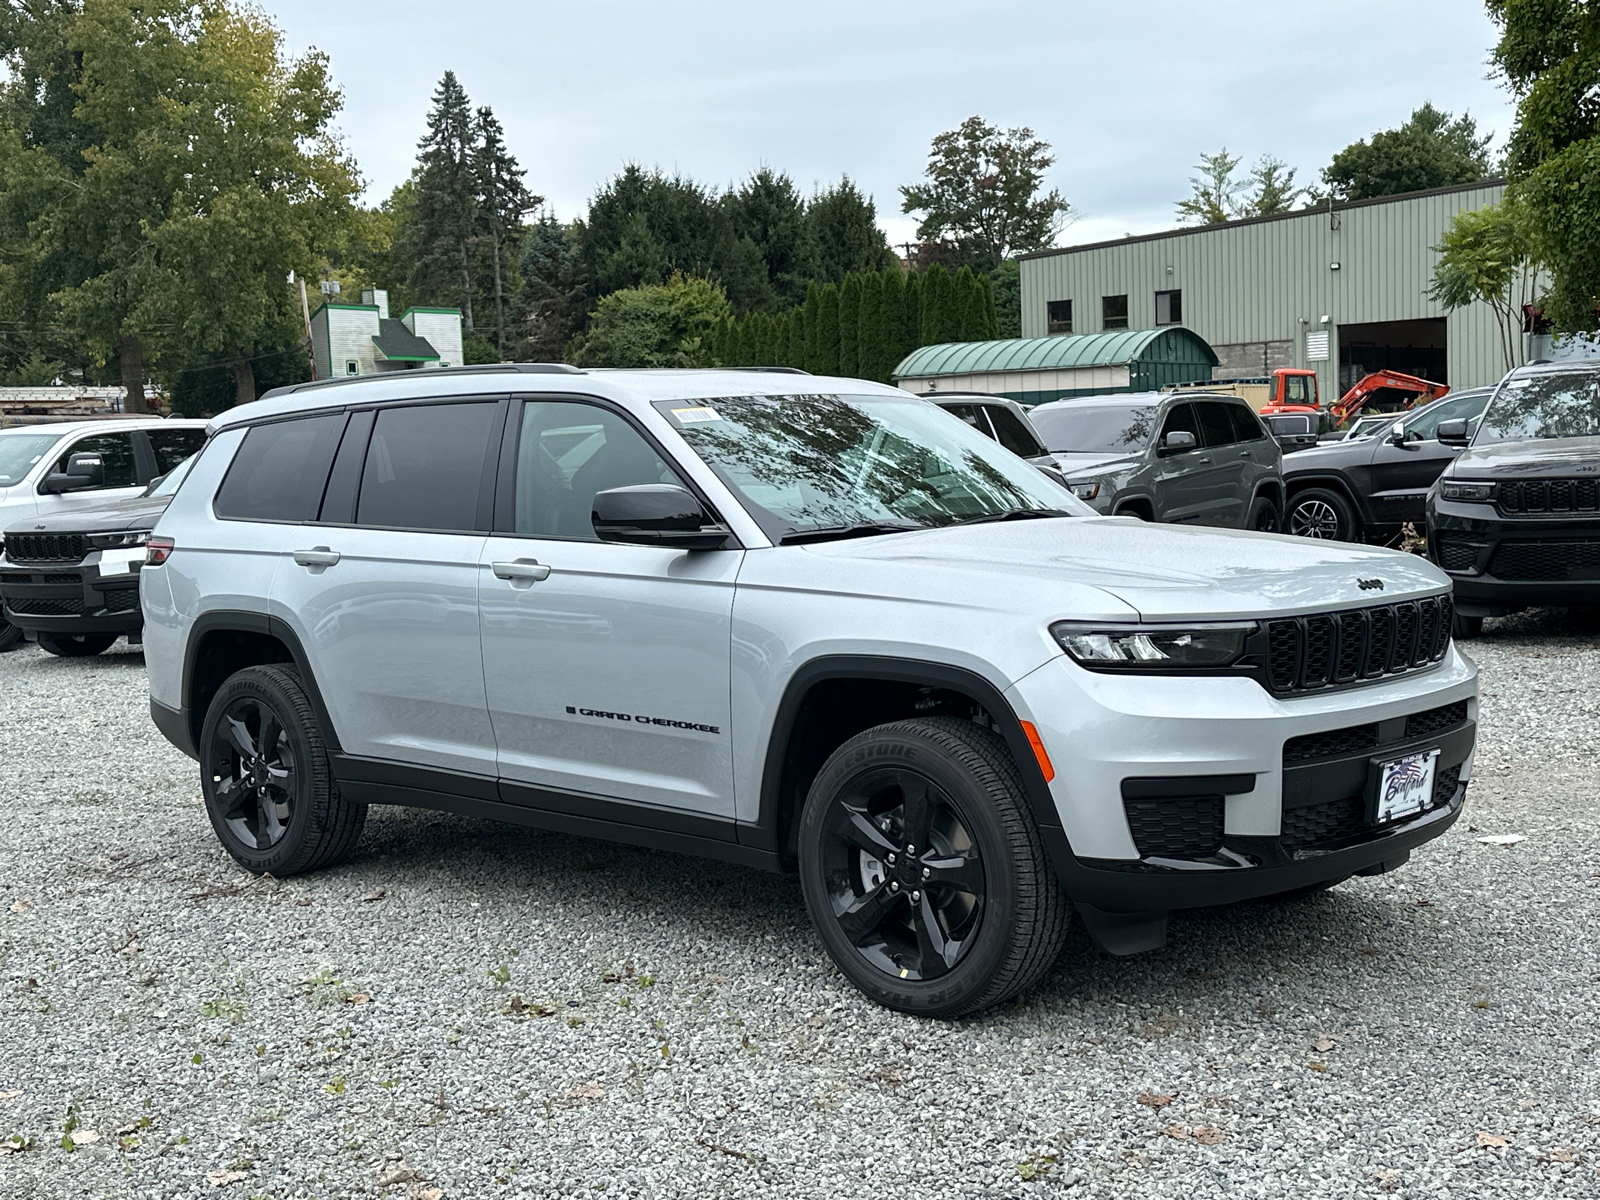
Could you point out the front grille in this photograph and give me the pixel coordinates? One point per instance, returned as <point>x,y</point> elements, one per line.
<point>1353,739</point>
<point>122,600</point>
<point>15,577</point>
<point>1319,824</point>
<point>1445,784</point>
<point>1546,561</point>
<point>1537,496</point>
<point>1457,555</point>
<point>1311,653</point>
<point>46,606</point>
<point>1176,827</point>
<point>1448,717</point>
<point>46,547</point>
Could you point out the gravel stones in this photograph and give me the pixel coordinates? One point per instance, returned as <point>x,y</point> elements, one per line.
<point>468,1010</point>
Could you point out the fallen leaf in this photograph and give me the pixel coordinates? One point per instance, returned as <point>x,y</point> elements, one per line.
<point>130,1127</point>
<point>16,1144</point>
<point>1490,1140</point>
<point>1207,1135</point>
<point>1323,1044</point>
<point>84,1137</point>
<point>223,1178</point>
<point>375,894</point>
<point>22,906</point>
<point>10,1095</point>
<point>400,1174</point>
<point>1503,839</point>
<point>1153,1100</point>
<point>1388,1180</point>
<point>1316,1066</point>
<point>611,977</point>
<point>306,903</point>
<point>586,1091</point>
<point>358,998</point>
<point>519,1006</point>
<point>1561,1154</point>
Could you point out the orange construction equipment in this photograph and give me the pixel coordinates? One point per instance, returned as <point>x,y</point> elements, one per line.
<point>1386,391</point>
<point>1288,389</point>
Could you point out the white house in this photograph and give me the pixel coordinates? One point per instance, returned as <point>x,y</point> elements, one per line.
<point>363,339</point>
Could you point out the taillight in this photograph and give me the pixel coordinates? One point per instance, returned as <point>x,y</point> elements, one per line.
<point>157,550</point>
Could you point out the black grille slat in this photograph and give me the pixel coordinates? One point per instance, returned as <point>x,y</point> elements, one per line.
<point>46,547</point>
<point>1319,652</point>
<point>1352,646</point>
<point>1381,644</point>
<point>1405,636</point>
<point>1540,497</point>
<point>1176,826</point>
<point>1446,717</point>
<point>46,606</point>
<point>1283,649</point>
<point>1441,635</point>
<point>1335,743</point>
<point>1543,561</point>
<point>1320,824</point>
<point>1338,649</point>
<point>1428,615</point>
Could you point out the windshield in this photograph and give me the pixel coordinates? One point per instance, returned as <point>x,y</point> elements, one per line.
<point>167,484</point>
<point>19,451</point>
<point>823,462</point>
<point>1095,428</point>
<point>1366,426</point>
<point>1543,406</point>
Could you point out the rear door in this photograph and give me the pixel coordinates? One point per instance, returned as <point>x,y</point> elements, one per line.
<point>1227,481</point>
<point>608,674</point>
<point>1181,479</point>
<point>1258,451</point>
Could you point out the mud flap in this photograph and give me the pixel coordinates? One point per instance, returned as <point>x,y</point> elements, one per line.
<point>1122,934</point>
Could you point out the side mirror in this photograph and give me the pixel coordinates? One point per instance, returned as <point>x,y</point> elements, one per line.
<point>83,471</point>
<point>1453,433</point>
<point>1397,435</point>
<point>656,514</point>
<point>1177,442</point>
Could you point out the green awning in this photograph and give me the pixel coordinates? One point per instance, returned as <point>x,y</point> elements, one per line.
<point>1116,348</point>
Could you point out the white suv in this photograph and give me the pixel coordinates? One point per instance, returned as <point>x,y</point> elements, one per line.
<point>797,623</point>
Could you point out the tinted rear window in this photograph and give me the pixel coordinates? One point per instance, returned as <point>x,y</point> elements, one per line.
<point>425,467</point>
<point>279,471</point>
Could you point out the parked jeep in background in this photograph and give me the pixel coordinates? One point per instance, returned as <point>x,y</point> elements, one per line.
<point>71,582</point>
<point>1183,457</point>
<point>116,460</point>
<point>1515,519</point>
<point>1002,419</point>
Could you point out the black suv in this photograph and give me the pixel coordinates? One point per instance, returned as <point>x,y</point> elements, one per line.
<point>1368,486</point>
<point>1515,519</point>
<point>71,581</point>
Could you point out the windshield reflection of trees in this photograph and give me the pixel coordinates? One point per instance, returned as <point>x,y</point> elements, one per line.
<point>1090,429</point>
<point>1559,406</point>
<point>841,466</point>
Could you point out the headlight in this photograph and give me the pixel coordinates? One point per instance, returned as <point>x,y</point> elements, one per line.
<point>113,541</point>
<point>1085,491</point>
<point>1453,490</point>
<point>1169,647</point>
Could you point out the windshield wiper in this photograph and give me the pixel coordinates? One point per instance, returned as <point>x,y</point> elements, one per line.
<point>827,533</point>
<point>1013,514</point>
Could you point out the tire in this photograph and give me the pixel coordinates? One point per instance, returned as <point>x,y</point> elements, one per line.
<point>1136,510</point>
<point>1465,628</point>
<point>76,645</point>
<point>994,919</point>
<point>10,635</point>
<point>272,800</point>
<point>1319,513</point>
<point>1264,516</point>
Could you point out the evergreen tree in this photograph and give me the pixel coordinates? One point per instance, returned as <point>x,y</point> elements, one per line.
<point>743,349</point>
<point>553,303</point>
<point>828,330</point>
<point>797,339</point>
<point>889,319</point>
<point>769,212</point>
<point>936,288</point>
<point>843,234</point>
<point>911,314</point>
<point>435,242</point>
<point>871,325</point>
<point>1006,288</point>
<point>502,201</point>
<point>850,325</point>
<point>991,324</point>
<point>969,304</point>
<point>813,324</point>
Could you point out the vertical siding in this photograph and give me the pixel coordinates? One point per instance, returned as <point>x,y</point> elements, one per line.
<point>1271,280</point>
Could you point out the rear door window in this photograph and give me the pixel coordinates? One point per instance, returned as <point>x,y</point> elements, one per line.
<point>1246,426</point>
<point>172,446</point>
<point>1011,433</point>
<point>116,458</point>
<point>425,466</point>
<point>1215,425</point>
<point>280,469</point>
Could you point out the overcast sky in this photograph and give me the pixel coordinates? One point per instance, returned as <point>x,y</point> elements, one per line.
<point>1128,93</point>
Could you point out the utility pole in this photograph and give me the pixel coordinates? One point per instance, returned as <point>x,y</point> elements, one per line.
<point>311,346</point>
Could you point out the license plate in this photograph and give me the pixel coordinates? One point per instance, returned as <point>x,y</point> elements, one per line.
<point>1405,786</point>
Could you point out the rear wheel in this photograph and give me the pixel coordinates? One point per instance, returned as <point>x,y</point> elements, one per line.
<point>923,871</point>
<point>10,635</point>
<point>1465,628</point>
<point>264,771</point>
<point>1264,516</point>
<point>76,645</point>
<point>1318,513</point>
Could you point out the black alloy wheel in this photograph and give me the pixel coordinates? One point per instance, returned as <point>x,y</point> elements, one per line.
<point>10,635</point>
<point>264,771</point>
<point>1264,516</point>
<point>1322,514</point>
<point>76,645</point>
<point>924,872</point>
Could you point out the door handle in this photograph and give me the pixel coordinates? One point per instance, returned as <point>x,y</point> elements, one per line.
<point>319,556</point>
<point>1244,454</point>
<point>1204,460</point>
<point>523,568</point>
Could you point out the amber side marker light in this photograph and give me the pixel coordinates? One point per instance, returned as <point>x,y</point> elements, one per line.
<point>1038,751</point>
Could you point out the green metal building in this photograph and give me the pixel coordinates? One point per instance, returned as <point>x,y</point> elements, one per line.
<point>1341,290</point>
<point>1034,370</point>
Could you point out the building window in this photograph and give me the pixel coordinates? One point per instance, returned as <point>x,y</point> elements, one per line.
<point>1169,308</point>
<point>1113,312</point>
<point>1058,316</point>
<point>351,367</point>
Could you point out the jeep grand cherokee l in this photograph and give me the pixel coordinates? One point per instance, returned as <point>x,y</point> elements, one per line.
<point>799,623</point>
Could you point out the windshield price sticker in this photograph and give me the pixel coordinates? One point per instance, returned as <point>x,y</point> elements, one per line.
<point>693,416</point>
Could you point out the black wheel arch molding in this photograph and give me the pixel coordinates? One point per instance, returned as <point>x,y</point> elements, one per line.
<point>1293,485</point>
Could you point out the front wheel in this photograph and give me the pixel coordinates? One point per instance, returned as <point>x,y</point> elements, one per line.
<point>76,645</point>
<point>1318,513</point>
<point>1264,516</point>
<point>10,635</point>
<point>923,870</point>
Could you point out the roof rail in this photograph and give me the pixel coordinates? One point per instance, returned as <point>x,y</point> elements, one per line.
<point>473,369</point>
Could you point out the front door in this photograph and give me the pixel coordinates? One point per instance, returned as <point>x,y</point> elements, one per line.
<point>1183,480</point>
<point>1402,472</point>
<point>607,665</point>
<point>1226,490</point>
<point>120,477</point>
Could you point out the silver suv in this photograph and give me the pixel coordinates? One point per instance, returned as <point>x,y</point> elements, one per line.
<point>797,623</point>
<point>1187,458</point>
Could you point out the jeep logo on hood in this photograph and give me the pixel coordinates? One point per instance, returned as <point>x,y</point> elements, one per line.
<point>1366,585</point>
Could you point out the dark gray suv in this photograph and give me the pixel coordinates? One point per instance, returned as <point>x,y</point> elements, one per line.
<point>1193,459</point>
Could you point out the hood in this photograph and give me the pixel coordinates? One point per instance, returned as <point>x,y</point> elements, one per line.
<point>1541,457</point>
<point>1105,462</point>
<point>1329,456</point>
<point>1164,572</point>
<point>138,512</point>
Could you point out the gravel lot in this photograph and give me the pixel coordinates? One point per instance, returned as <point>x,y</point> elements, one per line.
<point>471,1010</point>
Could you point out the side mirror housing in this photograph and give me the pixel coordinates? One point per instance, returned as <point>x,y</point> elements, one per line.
<point>656,514</point>
<point>1177,442</point>
<point>83,471</point>
<point>1397,435</point>
<point>1453,433</point>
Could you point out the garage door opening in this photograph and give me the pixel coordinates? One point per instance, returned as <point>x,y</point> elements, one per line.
<point>1415,347</point>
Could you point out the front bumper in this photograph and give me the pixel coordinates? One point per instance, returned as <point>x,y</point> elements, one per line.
<point>1501,564</point>
<point>1185,792</point>
<point>100,594</point>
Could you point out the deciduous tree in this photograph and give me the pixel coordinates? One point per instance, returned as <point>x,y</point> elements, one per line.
<point>1487,254</point>
<point>1430,150</point>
